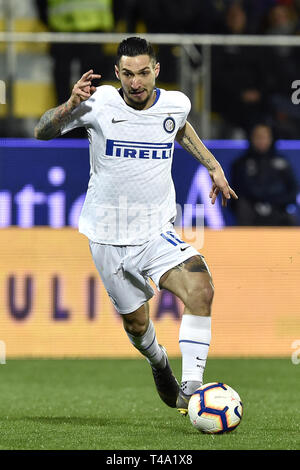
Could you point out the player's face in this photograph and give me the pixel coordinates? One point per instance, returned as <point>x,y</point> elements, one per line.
<point>137,75</point>
<point>261,138</point>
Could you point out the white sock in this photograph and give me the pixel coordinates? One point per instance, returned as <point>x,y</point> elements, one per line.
<point>149,347</point>
<point>194,340</point>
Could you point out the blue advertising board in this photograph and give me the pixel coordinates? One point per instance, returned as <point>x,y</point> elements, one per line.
<point>44,183</point>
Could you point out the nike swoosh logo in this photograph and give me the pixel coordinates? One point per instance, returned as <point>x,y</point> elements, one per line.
<point>115,121</point>
<point>182,249</point>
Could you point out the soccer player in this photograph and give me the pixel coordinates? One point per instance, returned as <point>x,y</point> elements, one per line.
<point>130,207</point>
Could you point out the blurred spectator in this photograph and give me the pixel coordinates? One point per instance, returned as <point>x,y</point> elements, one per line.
<point>282,19</point>
<point>237,79</point>
<point>264,182</point>
<point>282,67</point>
<point>84,16</point>
<point>256,11</point>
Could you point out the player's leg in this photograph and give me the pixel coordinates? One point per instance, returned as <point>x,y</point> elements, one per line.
<point>129,292</point>
<point>141,332</point>
<point>192,283</point>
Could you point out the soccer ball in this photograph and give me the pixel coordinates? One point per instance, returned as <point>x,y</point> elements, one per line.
<point>215,408</point>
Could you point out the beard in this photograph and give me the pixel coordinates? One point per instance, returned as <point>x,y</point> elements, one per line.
<point>135,102</point>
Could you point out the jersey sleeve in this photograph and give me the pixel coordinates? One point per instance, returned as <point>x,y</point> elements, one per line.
<point>82,116</point>
<point>186,106</point>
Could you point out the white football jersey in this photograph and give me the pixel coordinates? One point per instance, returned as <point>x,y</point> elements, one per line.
<point>131,195</point>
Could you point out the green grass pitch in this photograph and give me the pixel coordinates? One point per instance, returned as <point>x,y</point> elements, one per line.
<point>113,405</point>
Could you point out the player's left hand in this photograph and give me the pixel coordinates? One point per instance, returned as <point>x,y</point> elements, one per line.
<point>220,184</point>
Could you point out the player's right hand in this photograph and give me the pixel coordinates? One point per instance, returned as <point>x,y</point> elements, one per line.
<point>83,89</point>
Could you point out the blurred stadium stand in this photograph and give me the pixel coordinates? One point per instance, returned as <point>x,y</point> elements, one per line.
<point>27,68</point>
<point>31,87</point>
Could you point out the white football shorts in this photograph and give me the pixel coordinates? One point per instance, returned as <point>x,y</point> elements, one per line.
<point>125,270</point>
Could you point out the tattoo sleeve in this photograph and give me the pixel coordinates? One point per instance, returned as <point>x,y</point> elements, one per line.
<point>193,265</point>
<point>52,121</point>
<point>190,141</point>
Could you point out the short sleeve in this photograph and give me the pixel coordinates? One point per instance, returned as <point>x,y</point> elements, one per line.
<point>186,105</point>
<point>82,116</point>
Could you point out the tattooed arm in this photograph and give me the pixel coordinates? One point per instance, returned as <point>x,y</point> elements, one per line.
<point>52,121</point>
<point>190,141</point>
<point>55,119</point>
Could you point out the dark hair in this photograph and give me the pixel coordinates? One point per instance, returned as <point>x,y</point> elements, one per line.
<point>135,46</point>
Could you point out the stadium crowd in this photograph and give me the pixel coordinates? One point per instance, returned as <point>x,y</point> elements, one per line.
<point>246,87</point>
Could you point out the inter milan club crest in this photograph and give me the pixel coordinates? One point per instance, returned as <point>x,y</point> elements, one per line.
<point>169,124</point>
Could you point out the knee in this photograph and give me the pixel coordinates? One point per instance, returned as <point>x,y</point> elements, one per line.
<point>137,322</point>
<point>199,298</point>
<point>135,326</point>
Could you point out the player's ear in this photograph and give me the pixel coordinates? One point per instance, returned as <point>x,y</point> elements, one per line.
<point>117,72</point>
<point>157,69</point>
